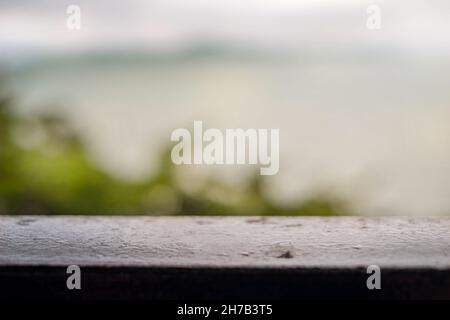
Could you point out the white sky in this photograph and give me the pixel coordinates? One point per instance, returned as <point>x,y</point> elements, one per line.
<point>41,25</point>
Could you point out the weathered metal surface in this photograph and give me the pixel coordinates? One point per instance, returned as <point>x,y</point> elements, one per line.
<point>225,241</point>
<point>224,257</point>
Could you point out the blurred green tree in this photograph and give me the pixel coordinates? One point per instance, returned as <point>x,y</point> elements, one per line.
<point>44,169</point>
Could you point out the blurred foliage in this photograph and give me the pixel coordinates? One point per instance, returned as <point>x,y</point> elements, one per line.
<point>44,169</point>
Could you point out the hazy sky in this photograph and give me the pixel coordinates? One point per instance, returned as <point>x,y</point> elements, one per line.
<point>27,27</point>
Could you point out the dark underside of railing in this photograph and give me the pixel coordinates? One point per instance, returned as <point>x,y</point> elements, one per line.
<point>192,258</point>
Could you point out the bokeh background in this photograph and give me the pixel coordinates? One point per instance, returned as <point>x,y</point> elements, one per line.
<point>86,116</point>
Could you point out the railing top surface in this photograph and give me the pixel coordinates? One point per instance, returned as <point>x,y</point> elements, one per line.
<point>276,242</point>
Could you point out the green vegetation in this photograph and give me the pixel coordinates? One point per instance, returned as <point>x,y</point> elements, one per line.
<point>50,173</point>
